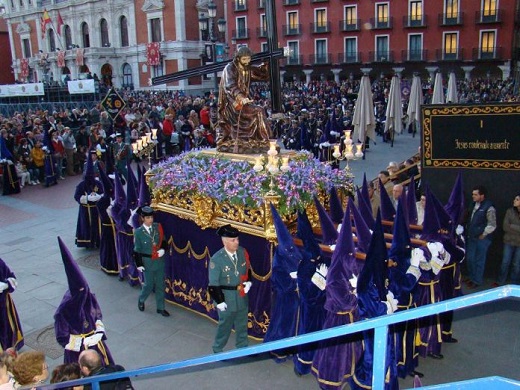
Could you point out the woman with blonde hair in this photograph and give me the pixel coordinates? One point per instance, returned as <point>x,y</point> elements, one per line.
<point>30,368</point>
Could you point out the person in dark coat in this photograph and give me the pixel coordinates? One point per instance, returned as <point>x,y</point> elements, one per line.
<point>107,241</point>
<point>11,335</point>
<point>88,192</point>
<point>78,320</point>
<point>11,183</point>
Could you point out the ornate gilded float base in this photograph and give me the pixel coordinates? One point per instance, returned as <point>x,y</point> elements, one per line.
<point>240,146</point>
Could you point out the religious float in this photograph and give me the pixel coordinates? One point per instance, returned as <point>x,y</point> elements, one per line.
<point>197,192</point>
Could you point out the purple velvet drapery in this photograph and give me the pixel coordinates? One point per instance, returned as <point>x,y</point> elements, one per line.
<point>190,249</point>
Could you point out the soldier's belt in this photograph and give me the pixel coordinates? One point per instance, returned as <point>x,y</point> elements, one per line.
<point>232,288</point>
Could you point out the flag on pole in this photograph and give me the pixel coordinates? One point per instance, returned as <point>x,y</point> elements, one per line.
<point>42,27</point>
<point>46,17</point>
<point>59,23</point>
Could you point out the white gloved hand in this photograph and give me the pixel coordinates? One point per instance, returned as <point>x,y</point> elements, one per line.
<point>222,306</point>
<point>13,282</point>
<point>353,283</point>
<point>94,197</point>
<point>100,327</point>
<point>160,252</point>
<point>3,286</point>
<point>247,286</point>
<point>74,343</point>
<point>338,229</point>
<point>332,247</point>
<point>459,230</point>
<point>9,162</point>
<point>417,257</point>
<point>92,340</point>
<point>323,270</point>
<point>392,302</point>
<point>83,199</point>
<point>141,268</point>
<point>293,274</point>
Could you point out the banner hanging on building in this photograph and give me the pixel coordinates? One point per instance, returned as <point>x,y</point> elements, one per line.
<point>24,65</point>
<point>81,86</point>
<point>28,89</point>
<point>60,59</point>
<point>153,53</point>
<point>80,61</point>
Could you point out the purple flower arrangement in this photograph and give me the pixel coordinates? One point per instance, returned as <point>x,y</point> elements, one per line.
<point>236,182</point>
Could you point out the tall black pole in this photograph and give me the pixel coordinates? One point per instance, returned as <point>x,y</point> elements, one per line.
<point>274,67</point>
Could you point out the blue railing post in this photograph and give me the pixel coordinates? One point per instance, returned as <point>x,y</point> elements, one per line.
<point>378,366</point>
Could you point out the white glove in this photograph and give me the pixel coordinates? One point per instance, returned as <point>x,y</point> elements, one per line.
<point>160,252</point>
<point>322,270</point>
<point>417,257</point>
<point>141,268</point>
<point>9,162</point>
<point>94,197</point>
<point>353,283</point>
<point>293,274</point>
<point>247,286</point>
<point>391,303</point>
<point>459,230</point>
<point>92,340</point>
<point>74,343</point>
<point>83,199</point>
<point>45,148</point>
<point>112,136</point>
<point>3,286</point>
<point>100,327</point>
<point>338,229</point>
<point>13,282</point>
<point>332,247</point>
<point>222,306</point>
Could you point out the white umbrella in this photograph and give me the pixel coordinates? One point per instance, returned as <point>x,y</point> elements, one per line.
<point>364,120</point>
<point>414,104</point>
<point>452,95</point>
<point>438,90</point>
<point>394,109</point>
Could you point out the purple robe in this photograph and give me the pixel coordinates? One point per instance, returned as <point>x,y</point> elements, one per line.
<point>88,226</point>
<point>51,174</point>
<point>107,244</point>
<point>10,181</point>
<point>77,315</point>
<point>11,334</point>
<point>125,246</point>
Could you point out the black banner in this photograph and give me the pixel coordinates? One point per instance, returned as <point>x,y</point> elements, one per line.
<point>113,103</point>
<point>471,136</point>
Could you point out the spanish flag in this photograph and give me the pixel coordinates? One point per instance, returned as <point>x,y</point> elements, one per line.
<point>46,18</point>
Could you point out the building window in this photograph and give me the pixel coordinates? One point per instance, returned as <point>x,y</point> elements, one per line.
<point>127,76</point>
<point>351,51</point>
<point>124,31</point>
<point>451,46</point>
<point>292,23</point>
<point>321,51</point>
<point>351,22</point>
<point>241,27</point>
<point>489,10</point>
<point>264,47</point>
<point>415,52</point>
<point>157,70</point>
<point>240,5</point>
<point>263,25</point>
<point>382,15</point>
<point>85,35</point>
<point>103,26</point>
<point>487,44</point>
<point>52,41</point>
<point>452,12</point>
<point>26,48</point>
<point>382,53</point>
<point>416,13</point>
<point>68,36</point>
<point>294,53</point>
<point>320,20</point>
<point>155,30</point>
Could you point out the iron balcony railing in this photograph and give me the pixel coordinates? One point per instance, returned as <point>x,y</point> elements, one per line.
<point>489,16</point>
<point>451,19</point>
<point>414,55</point>
<point>410,21</point>
<point>292,29</point>
<point>320,27</point>
<point>350,25</point>
<point>451,55</point>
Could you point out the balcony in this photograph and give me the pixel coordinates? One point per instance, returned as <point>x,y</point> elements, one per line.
<point>415,21</point>
<point>292,29</point>
<point>488,54</point>
<point>353,57</point>
<point>291,2</point>
<point>452,19</point>
<point>239,5</point>
<point>320,28</point>
<point>349,25</point>
<point>261,32</point>
<point>489,17</point>
<point>452,55</point>
<point>414,55</point>
<point>321,59</point>
<point>261,4</point>
<point>293,60</point>
<point>240,34</point>
<point>319,1</point>
<point>381,56</point>
<point>381,23</point>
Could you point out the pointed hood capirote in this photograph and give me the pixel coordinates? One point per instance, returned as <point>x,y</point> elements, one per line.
<point>363,233</point>
<point>437,222</point>
<point>411,206</point>
<point>328,230</point>
<point>108,188</point>
<point>387,208</point>
<point>75,278</point>
<point>336,209</point>
<point>401,248</point>
<point>286,256</point>
<point>305,233</point>
<point>456,205</point>
<point>131,189</point>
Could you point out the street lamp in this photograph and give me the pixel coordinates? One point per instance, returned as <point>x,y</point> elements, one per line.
<point>221,25</point>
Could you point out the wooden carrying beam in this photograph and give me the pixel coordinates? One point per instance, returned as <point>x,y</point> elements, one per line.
<point>211,68</point>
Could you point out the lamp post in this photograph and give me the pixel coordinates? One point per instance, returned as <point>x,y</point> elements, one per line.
<point>221,25</point>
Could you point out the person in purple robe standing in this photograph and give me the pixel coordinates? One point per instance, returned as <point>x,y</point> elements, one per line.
<point>335,360</point>
<point>10,181</point>
<point>88,192</point>
<point>78,320</point>
<point>107,243</point>
<point>11,335</point>
<point>49,167</point>
<point>284,311</point>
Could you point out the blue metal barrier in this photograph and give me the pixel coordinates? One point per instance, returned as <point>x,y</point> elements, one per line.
<point>380,324</point>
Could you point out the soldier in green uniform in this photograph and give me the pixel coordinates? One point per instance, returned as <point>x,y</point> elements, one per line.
<point>149,249</point>
<point>121,155</point>
<point>228,286</point>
